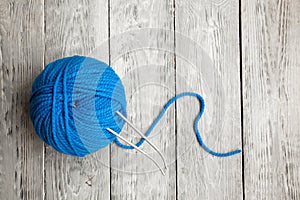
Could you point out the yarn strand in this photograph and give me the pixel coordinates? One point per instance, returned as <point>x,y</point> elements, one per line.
<point>197,132</point>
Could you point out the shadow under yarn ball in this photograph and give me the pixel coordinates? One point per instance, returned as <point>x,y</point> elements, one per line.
<point>72,103</point>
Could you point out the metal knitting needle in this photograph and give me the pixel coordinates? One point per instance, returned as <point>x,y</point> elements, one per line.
<point>142,135</point>
<point>137,148</point>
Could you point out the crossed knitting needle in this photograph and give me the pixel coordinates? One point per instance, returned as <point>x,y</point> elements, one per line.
<point>136,147</point>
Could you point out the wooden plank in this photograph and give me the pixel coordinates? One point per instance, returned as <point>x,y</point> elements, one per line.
<point>208,63</point>
<point>76,27</point>
<point>21,59</point>
<point>270,57</point>
<point>149,79</point>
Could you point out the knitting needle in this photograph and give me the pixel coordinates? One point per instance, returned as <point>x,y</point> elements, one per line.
<point>142,135</point>
<point>137,148</point>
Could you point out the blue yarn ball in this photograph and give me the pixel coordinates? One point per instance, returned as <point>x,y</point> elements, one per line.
<point>72,103</point>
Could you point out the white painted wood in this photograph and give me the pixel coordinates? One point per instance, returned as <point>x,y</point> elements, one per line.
<point>76,27</point>
<point>30,38</point>
<point>271,69</point>
<point>21,59</point>
<point>149,79</point>
<point>214,26</point>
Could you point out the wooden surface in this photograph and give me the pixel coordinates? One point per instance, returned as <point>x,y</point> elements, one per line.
<point>72,27</point>
<point>271,85</point>
<point>148,77</point>
<point>214,28</point>
<point>243,57</point>
<point>21,60</point>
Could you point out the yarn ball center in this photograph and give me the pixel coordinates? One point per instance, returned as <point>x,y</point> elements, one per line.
<point>72,103</point>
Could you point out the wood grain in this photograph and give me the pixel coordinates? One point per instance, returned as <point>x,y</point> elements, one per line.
<point>206,60</point>
<point>271,69</point>
<point>21,59</point>
<point>76,27</point>
<point>208,64</point>
<point>148,75</point>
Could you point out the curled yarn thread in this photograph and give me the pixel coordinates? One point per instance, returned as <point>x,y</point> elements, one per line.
<point>75,99</point>
<point>199,138</point>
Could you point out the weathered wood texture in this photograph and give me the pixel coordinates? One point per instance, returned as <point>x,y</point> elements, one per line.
<point>262,87</point>
<point>271,85</point>
<point>21,59</point>
<point>210,67</point>
<point>148,75</point>
<point>76,27</point>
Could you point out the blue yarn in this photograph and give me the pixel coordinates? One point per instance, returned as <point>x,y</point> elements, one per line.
<point>75,99</point>
<point>161,114</point>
